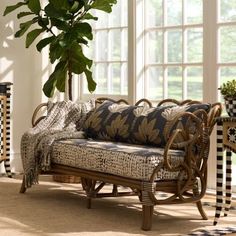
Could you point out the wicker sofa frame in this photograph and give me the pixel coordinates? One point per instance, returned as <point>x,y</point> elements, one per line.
<point>189,187</point>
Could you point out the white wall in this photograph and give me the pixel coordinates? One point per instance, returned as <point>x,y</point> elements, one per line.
<point>22,67</point>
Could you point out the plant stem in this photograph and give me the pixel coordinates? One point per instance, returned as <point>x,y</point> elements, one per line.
<point>70,84</point>
<point>48,29</point>
<point>69,77</point>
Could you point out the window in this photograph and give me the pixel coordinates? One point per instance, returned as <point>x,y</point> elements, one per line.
<point>109,51</point>
<point>227,40</point>
<point>173,49</point>
<point>226,60</point>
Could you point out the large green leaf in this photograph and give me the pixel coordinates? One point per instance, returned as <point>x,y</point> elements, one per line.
<point>55,51</point>
<point>77,67</point>
<point>31,36</point>
<point>84,30</point>
<point>61,80</point>
<point>43,22</point>
<point>44,42</point>
<point>53,12</point>
<point>13,7</point>
<point>24,27</point>
<point>22,14</point>
<point>103,5</point>
<point>49,86</point>
<point>78,61</point>
<point>88,16</point>
<point>60,4</point>
<point>75,7</point>
<point>34,6</point>
<point>60,24</point>
<point>91,83</point>
<point>82,40</point>
<point>59,74</point>
<point>70,37</point>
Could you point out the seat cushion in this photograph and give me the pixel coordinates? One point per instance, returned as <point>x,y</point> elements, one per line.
<point>137,124</point>
<point>132,161</point>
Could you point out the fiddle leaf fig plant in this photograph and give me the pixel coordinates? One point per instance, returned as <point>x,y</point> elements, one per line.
<point>64,26</point>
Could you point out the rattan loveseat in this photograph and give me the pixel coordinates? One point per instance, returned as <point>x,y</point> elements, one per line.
<point>151,150</point>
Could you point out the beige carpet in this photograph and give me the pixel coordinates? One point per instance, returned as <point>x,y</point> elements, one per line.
<point>52,208</point>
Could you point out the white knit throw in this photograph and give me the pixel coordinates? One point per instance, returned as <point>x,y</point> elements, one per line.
<point>36,144</point>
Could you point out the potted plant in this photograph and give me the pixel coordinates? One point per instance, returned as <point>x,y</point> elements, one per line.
<point>228,90</point>
<point>64,26</point>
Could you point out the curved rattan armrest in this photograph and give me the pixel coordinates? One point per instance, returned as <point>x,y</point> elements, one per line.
<point>168,100</point>
<point>143,100</point>
<point>102,99</point>
<point>190,138</point>
<point>215,111</point>
<point>176,102</point>
<point>36,120</point>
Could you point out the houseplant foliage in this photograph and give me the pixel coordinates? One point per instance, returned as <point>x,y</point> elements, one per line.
<point>228,90</point>
<point>66,23</point>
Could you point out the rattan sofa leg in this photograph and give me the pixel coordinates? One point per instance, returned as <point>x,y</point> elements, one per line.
<point>147,217</point>
<point>23,188</point>
<point>201,210</point>
<point>89,202</point>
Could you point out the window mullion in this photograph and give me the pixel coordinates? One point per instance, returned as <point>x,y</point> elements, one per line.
<point>164,41</point>
<point>210,51</point>
<point>210,73</point>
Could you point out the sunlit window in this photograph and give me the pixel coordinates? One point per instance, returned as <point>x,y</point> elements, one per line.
<point>109,51</point>
<point>227,47</point>
<point>173,48</point>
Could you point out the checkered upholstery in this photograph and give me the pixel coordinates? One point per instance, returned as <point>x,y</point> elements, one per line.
<point>5,119</point>
<point>230,106</point>
<point>122,159</point>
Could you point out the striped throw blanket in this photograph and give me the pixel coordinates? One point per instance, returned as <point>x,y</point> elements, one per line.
<point>36,143</point>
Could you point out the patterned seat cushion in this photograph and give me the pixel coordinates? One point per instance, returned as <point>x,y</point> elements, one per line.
<point>132,161</point>
<point>136,124</point>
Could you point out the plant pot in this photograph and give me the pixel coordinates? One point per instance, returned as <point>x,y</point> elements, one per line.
<point>230,106</point>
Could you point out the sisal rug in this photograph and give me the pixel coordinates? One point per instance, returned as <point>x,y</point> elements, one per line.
<point>55,209</point>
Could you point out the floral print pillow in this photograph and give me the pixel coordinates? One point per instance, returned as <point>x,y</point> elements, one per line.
<point>136,124</point>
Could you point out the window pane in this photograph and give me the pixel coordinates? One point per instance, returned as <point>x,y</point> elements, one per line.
<point>194,83</point>
<point>228,44</point>
<point>154,13</point>
<point>174,12</point>
<point>155,47</point>
<point>84,81</point>
<point>115,17</point>
<point>102,21</point>
<point>109,51</point>
<point>115,78</point>
<point>194,45</point>
<point>124,45</point>
<point>115,45</point>
<point>174,78</point>
<point>101,45</point>
<point>124,79</point>
<point>227,73</point>
<point>89,50</point>
<point>101,78</point>
<point>227,10</point>
<point>155,83</point>
<point>124,12</point>
<point>193,11</point>
<point>174,46</point>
